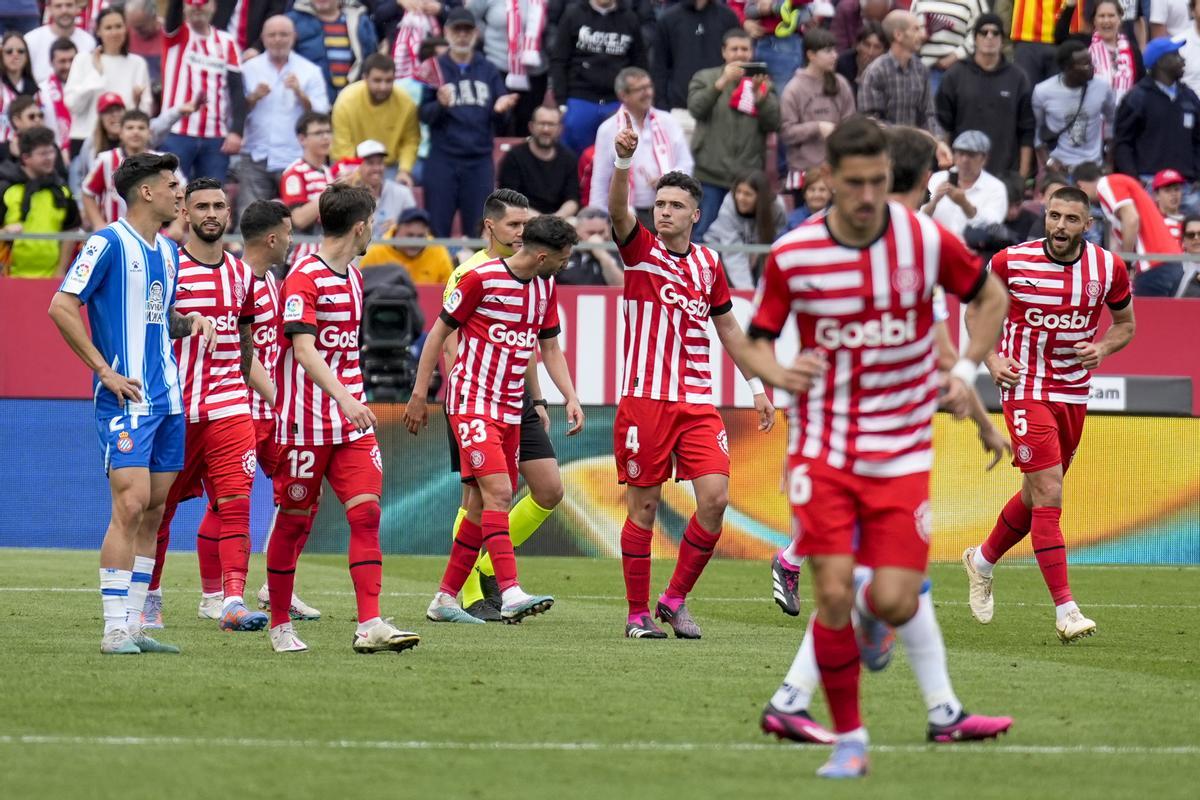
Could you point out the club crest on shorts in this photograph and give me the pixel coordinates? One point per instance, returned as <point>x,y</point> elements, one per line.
<point>923,519</point>
<point>906,279</point>
<point>297,491</point>
<point>125,442</point>
<point>633,468</point>
<point>1092,289</point>
<point>249,462</point>
<point>1024,453</point>
<point>723,442</point>
<point>476,459</point>
<point>376,458</point>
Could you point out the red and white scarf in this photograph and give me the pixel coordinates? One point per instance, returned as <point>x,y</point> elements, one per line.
<point>1118,72</point>
<point>524,41</point>
<point>58,116</point>
<point>414,28</point>
<point>745,99</point>
<point>660,144</point>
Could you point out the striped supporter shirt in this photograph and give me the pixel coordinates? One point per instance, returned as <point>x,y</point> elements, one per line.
<point>870,310</point>
<point>301,183</point>
<point>337,48</point>
<point>1054,306</point>
<point>1033,20</point>
<point>196,67</point>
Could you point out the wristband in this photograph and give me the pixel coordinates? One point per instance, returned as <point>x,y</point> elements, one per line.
<point>623,163</point>
<point>756,386</point>
<point>541,403</point>
<point>965,370</point>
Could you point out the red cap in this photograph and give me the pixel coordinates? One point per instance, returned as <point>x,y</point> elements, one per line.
<point>1168,177</point>
<point>109,100</point>
<point>196,2</point>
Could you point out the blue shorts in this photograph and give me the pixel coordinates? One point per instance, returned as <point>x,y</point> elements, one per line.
<point>139,441</point>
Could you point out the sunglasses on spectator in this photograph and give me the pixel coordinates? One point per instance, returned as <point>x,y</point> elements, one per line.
<point>1192,235</point>
<point>985,32</point>
<point>12,51</point>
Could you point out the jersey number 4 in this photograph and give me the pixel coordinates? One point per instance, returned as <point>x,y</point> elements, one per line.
<point>631,440</point>
<point>473,431</point>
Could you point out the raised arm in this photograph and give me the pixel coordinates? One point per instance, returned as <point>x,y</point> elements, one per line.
<point>625,145</point>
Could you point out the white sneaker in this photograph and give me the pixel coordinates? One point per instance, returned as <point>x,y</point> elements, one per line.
<point>298,610</point>
<point>118,642</point>
<point>444,608</point>
<point>284,639</point>
<point>384,636</point>
<point>1074,626</point>
<point>979,595</point>
<point>210,607</point>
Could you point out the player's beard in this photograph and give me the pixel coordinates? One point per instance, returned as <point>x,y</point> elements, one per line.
<point>204,236</point>
<point>1072,246</point>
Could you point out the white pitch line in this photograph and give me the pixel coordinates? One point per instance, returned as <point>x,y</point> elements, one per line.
<point>662,747</point>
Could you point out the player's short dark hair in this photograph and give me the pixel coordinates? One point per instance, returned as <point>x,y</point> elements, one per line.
<point>202,185</point>
<point>1066,53</point>
<point>311,118</point>
<point>1071,194</point>
<point>135,115</point>
<point>681,180</point>
<point>262,216</point>
<point>137,170</point>
<point>500,201</point>
<point>20,104</point>
<point>62,44</point>
<point>378,61</point>
<point>914,156</point>
<point>734,33</point>
<point>342,206</point>
<point>856,136</point>
<point>548,232</point>
<point>1087,171</point>
<point>35,137</point>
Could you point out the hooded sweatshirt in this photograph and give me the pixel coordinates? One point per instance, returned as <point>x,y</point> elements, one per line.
<point>465,129</point>
<point>592,47</point>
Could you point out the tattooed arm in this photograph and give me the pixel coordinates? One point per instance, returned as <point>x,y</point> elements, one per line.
<point>190,325</point>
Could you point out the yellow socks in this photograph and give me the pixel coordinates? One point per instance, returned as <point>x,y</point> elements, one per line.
<point>524,519</point>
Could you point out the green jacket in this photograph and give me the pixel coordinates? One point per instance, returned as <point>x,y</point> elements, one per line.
<point>48,209</point>
<point>727,143</point>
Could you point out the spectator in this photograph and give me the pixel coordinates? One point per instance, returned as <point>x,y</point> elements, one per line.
<point>588,267</point>
<point>202,67</point>
<point>52,94</point>
<point>1136,224</point>
<point>105,135</point>
<point>240,19</point>
<point>281,86</point>
<point>1158,125</point>
<point>376,108</point>
<point>20,16</point>
<point>1114,58</point>
<point>1168,195</point>
<point>749,214</point>
<point>689,37</point>
<point>429,264</point>
<point>462,114</point>
<point>305,179</point>
<point>16,78</point>
<point>517,53</point>
<point>854,62</point>
<point>815,196</point>
<point>391,197</point>
<point>1033,37</point>
<point>987,239</point>
<point>596,40</point>
<point>851,18</point>
<point>1071,111</point>
<point>1191,51</point>
<point>967,194</point>
<point>1051,183</point>
<point>895,88</point>
<point>109,68</point>
<point>987,93</point>
<point>35,199</point>
<point>1168,18</point>
<point>414,86</point>
<point>61,26</point>
<point>776,42</point>
<point>815,100</point>
<point>734,115</point>
<point>102,203</point>
<point>948,26</point>
<point>146,34</point>
<point>541,168</point>
<point>665,148</point>
<point>336,37</point>
<point>405,23</point>
<point>1190,285</point>
<point>24,114</point>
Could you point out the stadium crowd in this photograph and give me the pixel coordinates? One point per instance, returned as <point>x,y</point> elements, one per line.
<point>430,105</point>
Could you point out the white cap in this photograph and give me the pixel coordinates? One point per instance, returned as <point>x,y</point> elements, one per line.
<point>370,148</point>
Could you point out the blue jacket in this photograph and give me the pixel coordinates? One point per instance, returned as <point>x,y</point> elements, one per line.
<point>465,129</point>
<point>310,38</point>
<point>1154,132</point>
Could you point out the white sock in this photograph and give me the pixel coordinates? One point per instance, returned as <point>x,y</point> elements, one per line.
<point>155,592</point>
<point>363,627</point>
<point>233,599</point>
<point>922,639</point>
<point>856,735</point>
<point>790,557</point>
<point>211,595</point>
<point>862,578</point>
<point>982,564</point>
<point>513,594</point>
<point>114,594</point>
<point>802,678</point>
<point>139,586</point>
<point>1060,612</point>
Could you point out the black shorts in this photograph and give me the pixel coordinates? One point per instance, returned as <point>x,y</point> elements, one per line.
<point>535,442</point>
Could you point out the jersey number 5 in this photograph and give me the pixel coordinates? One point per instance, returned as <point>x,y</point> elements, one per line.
<point>1020,424</point>
<point>302,463</point>
<point>473,431</point>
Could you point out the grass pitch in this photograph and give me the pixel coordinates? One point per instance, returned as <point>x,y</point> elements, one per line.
<point>563,707</point>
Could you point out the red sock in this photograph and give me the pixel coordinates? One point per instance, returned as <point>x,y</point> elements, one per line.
<point>160,547</point>
<point>837,659</point>
<point>635,563</point>
<point>464,550</point>
<point>1011,527</point>
<point>366,562</point>
<point>499,546</point>
<point>1051,552</point>
<point>282,556</point>
<point>695,549</point>
<point>208,552</point>
<point>234,547</point>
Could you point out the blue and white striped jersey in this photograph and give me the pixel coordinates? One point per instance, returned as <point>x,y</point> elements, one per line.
<point>128,286</point>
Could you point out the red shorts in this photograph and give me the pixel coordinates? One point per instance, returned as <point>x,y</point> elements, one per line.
<point>218,460</point>
<point>651,436</point>
<point>352,468</point>
<point>883,522</point>
<point>486,446</point>
<point>265,446</point>
<point>1044,434</point>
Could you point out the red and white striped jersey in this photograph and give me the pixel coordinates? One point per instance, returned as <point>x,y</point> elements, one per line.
<point>668,299</point>
<point>319,301</point>
<point>870,311</point>
<point>265,329</point>
<point>300,183</point>
<point>499,318</point>
<point>7,95</point>
<point>1174,227</point>
<point>1054,306</point>
<point>1115,192</point>
<point>239,24</point>
<point>196,66</point>
<point>99,184</point>
<point>213,384</point>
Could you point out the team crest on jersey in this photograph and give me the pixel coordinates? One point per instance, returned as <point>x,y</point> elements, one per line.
<point>1092,289</point>
<point>541,308</point>
<point>297,491</point>
<point>633,468</point>
<point>476,459</point>
<point>249,462</point>
<point>1024,453</point>
<point>706,277</point>
<point>377,458</point>
<point>155,310</point>
<point>293,309</point>
<point>239,294</point>
<point>923,519</point>
<point>723,442</point>
<point>906,279</point>
<point>454,300</point>
<point>125,442</point>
